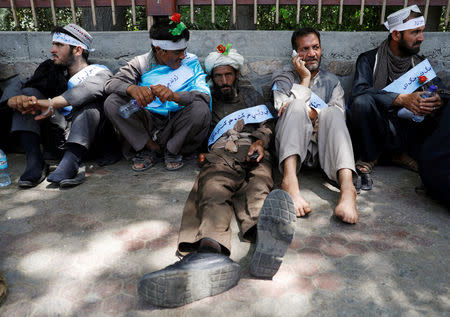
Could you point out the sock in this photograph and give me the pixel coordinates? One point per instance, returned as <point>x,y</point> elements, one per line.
<point>31,143</point>
<point>208,245</point>
<point>68,167</point>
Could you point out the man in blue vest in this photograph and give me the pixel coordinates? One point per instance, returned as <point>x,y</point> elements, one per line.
<point>170,87</point>
<point>61,106</point>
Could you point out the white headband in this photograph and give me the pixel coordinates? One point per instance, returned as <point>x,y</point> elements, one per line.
<point>169,45</point>
<point>67,39</point>
<point>408,25</point>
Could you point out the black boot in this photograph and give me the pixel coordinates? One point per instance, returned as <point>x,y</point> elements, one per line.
<point>36,169</point>
<point>196,276</point>
<point>67,169</point>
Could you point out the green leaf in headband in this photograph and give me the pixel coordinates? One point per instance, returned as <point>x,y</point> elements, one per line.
<point>178,30</point>
<point>227,49</point>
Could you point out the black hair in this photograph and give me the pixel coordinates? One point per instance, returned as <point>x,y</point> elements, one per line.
<point>60,29</point>
<point>161,31</point>
<point>302,32</point>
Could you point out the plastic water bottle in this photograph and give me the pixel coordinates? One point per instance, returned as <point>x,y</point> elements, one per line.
<point>5,180</point>
<point>406,114</point>
<point>129,108</point>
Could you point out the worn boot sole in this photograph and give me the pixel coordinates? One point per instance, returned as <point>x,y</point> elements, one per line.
<point>275,230</point>
<point>173,287</point>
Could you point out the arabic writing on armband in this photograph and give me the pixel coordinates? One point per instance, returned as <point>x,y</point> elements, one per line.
<point>413,78</point>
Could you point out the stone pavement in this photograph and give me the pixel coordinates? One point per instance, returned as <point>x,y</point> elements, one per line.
<point>81,252</point>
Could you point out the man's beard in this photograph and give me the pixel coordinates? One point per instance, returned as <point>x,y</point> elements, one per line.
<point>406,50</point>
<point>66,62</point>
<point>315,67</point>
<point>228,95</point>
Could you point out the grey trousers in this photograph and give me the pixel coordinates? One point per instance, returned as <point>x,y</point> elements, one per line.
<point>80,127</point>
<point>180,132</point>
<point>333,146</point>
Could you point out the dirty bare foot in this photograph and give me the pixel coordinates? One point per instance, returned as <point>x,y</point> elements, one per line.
<point>346,207</point>
<point>290,184</point>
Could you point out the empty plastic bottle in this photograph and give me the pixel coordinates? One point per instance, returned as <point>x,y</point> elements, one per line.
<point>129,108</point>
<point>406,114</point>
<point>5,180</point>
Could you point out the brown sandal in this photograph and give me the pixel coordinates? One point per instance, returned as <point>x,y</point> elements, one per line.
<point>406,161</point>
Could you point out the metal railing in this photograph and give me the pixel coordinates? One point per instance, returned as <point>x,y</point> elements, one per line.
<point>168,7</point>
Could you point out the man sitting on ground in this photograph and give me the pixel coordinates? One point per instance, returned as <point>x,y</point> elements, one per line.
<point>68,93</point>
<point>236,178</point>
<point>374,121</point>
<point>311,126</point>
<point>171,85</point>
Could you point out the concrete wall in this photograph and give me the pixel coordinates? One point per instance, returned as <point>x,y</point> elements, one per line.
<point>265,51</point>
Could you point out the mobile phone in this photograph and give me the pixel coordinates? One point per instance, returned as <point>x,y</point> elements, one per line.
<point>254,156</point>
<point>294,53</point>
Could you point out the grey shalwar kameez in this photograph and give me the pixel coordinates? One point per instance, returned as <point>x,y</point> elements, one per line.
<point>327,138</point>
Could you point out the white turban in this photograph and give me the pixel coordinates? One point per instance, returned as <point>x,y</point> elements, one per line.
<point>233,59</point>
<point>395,20</point>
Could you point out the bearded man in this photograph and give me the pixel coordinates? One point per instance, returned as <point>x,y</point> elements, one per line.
<point>236,178</point>
<point>61,106</point>
<point>375,121</point>
<point>311,128</point>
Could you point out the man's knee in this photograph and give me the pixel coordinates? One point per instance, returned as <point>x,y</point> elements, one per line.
<point>362,105</point>
<point>296,110</point>
<point>331,113</point>
<point>112,104</point>
<point>200,113</point>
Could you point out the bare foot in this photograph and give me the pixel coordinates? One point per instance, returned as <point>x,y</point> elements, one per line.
<point>346,208</point>
<point>302,207</point>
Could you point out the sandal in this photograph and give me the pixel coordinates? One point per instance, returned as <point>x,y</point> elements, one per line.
<point>405,161</point>
<point>147,158</point>
<point>364,169</point>
<point>175,160</point>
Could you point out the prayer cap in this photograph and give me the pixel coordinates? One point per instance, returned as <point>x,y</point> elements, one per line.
<point>395,20</point>
<point>224,57</point>
<point>80,34</point>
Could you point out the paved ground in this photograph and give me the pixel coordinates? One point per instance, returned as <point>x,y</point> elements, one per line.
<point>80,252</point>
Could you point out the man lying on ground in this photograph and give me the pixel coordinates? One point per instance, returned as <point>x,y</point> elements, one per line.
<point>236,178</point>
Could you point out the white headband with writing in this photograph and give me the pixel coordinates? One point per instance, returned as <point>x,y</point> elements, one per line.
<point>408,25</point>
<point>67,39</point>
<point>169,45</point>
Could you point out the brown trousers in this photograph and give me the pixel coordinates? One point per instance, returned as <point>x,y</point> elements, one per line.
<point>221,189</point>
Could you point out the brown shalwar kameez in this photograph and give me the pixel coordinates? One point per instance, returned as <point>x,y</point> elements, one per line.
<point>228,184</point>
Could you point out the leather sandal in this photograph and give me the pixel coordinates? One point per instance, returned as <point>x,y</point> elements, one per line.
<point>147,158</point>
<point>364,169</point>
<point>175,160</point>
<point>405,161</point>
